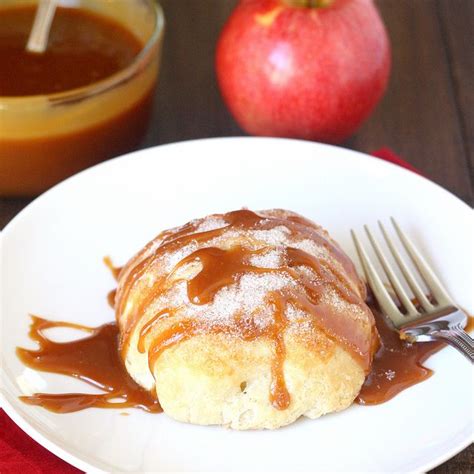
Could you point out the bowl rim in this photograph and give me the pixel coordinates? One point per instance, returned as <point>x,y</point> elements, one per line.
<point>80,93</point>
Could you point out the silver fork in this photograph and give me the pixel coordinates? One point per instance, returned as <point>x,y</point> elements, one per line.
<point>439,320</point>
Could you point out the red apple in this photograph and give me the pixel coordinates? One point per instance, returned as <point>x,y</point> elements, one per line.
<point>311,69</point>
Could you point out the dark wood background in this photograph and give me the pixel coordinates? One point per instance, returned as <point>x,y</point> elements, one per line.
<point>427,115</point>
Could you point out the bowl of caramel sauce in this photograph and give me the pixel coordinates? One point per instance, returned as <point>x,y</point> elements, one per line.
<point>86,99</point>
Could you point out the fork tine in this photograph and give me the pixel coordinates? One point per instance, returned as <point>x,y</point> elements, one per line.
<point>401,293</point>
<point>381,294</point>
<point>415,287</point>
<point>434,285</point>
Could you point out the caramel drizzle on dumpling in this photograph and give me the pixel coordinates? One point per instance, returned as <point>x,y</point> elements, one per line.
<point>221,268</point>
<point>170,241</point>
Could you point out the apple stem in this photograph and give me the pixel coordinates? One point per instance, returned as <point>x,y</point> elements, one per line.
<point>309,3</point>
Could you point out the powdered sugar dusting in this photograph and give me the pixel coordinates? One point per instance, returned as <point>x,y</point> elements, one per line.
<point>246,297</point>
<point>342,308</point>
<point>390,374</point>
<point>339,306</point>
<point>278,236</point>
<point>271,259</point>
<point>309,246</point>
<point>307,272</point>
<point>211,223</point>
<point>249,296</point>
<point>172,259</point>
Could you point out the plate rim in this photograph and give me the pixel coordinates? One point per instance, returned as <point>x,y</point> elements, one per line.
<point>75,460</point>
<point>132,155</point>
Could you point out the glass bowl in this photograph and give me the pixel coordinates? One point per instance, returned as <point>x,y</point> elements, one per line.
<point>46,138</point>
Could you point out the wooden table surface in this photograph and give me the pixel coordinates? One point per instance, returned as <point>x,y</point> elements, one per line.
<point>426,116</point>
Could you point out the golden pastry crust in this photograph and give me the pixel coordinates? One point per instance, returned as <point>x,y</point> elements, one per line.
<point>248,320</point>
<point>211,380</point>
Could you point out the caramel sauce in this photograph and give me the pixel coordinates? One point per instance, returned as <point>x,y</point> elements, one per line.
<point>148,327</point>
<point>29,166</point>
<point>44,139</point>
<point>470,323</point>
<point>94,359</point>
<point>172,240</point>
<point>279,396</point>
<point>397,364</point>
<point>235,265</point>
<point>115,271</point>
<point>83,48</point>
<point>111,298</point>
<point>221,268</point>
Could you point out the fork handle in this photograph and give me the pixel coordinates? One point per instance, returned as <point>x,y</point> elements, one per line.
<point>459,339</point>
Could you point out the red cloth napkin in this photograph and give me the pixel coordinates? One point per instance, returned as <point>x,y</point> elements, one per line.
<point>20,454</point>
<point>388,155</point>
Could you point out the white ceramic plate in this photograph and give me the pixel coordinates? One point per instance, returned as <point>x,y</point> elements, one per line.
<point>52,266</point>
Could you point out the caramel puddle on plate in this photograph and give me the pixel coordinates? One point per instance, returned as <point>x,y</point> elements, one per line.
<point>397,364</point>
<point>95,359</point>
